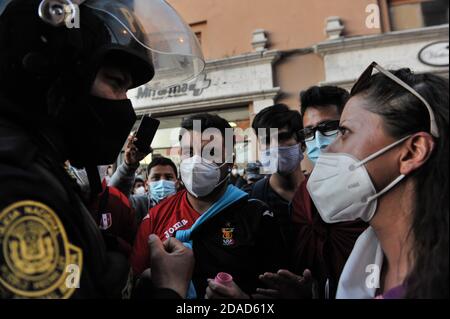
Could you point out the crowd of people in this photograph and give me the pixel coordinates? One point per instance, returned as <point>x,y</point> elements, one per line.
<point>371,220</point>
<point>282,235</point>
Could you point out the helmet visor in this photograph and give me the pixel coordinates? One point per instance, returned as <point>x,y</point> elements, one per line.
<point>161,34</point>
<point>3,5</point>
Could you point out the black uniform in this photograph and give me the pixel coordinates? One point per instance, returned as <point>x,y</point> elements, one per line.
<point>50,245</point>
<point>46,232</point>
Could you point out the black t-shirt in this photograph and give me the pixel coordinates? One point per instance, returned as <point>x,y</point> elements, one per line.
<point>264,192</point>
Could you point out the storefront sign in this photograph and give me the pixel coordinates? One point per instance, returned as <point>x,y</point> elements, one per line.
<point>435,54</point>
<point>230,80</point>
<point>194,89</point>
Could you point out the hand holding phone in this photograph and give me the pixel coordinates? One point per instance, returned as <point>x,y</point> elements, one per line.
<point>146,133</point>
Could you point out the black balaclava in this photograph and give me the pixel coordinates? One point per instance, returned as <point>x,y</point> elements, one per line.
<point>48,73</point>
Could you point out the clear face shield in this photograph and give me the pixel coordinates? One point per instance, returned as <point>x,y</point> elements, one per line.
<point>150,27</point>
<point>167,39</point>
<point>3,4</point>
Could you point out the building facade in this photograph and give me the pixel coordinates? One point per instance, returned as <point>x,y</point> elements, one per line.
<point>261,52</point>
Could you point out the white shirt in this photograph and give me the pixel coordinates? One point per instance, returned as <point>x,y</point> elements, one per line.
<point>360,277</point>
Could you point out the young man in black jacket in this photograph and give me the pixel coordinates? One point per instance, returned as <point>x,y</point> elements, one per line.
<point>281,155</point>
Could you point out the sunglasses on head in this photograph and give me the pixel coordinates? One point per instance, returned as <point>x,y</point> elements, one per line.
<point>367,74</point>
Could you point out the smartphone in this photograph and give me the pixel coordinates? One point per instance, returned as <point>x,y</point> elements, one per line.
<point>146,133</point>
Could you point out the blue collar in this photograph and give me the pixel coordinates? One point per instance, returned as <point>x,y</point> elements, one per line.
<point>231,196</point>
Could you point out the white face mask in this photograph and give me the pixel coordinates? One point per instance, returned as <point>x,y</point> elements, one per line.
<point>201,177</point>
<point>82,177</point>
<point>341,188</point>
<point>103,172</point>
<point>140,190</point>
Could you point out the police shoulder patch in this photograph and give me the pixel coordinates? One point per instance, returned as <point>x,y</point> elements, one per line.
<point>36,259</point>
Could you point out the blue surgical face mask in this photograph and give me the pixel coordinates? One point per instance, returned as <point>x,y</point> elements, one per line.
<point>162,189</point>
<point>316,146</point>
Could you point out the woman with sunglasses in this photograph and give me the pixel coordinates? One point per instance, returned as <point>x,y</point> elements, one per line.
<point>389,167</point>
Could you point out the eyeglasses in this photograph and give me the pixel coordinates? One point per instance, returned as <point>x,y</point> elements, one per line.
<point>267,138</point>
<point>365,76</point>
<point>328,128</point>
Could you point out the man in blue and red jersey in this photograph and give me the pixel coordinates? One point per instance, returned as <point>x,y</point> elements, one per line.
<point>227,231</point>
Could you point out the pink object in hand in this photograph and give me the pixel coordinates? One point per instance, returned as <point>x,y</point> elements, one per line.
<point>224,279</point>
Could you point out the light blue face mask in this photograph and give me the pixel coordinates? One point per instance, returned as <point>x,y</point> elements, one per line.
<point>315,147</point>
<point>162,189</point>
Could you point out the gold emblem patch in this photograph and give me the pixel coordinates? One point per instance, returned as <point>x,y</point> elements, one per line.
<point>36,258</point>
<point>227,235</point>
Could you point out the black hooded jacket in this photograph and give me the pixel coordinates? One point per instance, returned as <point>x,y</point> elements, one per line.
<point>46,230</point>
<point>32,175</point>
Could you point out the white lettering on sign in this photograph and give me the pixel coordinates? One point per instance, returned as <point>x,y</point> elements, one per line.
<point>221,82</point>
<point>196,89</point>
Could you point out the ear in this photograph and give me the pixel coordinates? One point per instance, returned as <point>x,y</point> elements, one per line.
<point>178,185</point>
<point>416,151</point>
<point>303,147</point>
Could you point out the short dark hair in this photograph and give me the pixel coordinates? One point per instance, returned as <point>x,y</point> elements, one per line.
<point>278,116</point>
<point>207,121</point>
<point>323,96</point>
<point>163,161</point>
<point>211,121</point>
<point>139,179</point>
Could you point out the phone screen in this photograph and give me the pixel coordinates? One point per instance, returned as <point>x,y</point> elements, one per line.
<point>146,133</point>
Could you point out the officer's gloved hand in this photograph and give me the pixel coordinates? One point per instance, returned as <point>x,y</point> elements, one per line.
<point>171,263</point>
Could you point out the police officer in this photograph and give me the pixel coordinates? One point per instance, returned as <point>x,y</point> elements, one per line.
<point>65,69</point>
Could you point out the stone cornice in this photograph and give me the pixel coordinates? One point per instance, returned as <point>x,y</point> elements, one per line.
<point>264,57</point>
<point>349,83</point>
<point>200,105</point>
<point>385,39</point>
